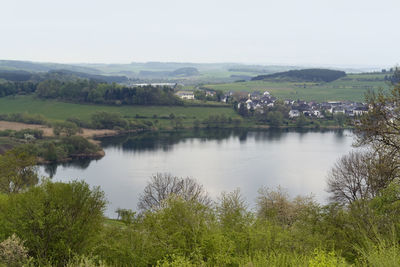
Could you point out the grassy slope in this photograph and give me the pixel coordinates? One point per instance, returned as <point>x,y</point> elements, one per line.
<point>56,110</point>
<point>353,87</point>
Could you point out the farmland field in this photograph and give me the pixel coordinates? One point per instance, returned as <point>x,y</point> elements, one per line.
<point>55,110</point>
<point>352,87</point>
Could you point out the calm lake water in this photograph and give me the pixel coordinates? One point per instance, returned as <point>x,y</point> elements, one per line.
<point>220,160</point>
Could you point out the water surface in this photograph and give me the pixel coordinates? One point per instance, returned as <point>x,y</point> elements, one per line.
<point>220,160</point>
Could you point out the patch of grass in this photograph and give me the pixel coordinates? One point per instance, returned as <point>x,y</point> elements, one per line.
<point>55,110</point>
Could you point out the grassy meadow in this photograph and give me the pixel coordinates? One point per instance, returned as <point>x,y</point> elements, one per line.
<point>56,110</point>
<point>352,87</point>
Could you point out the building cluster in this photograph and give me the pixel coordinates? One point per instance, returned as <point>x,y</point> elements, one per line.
<point>314,109</point>
<point>259,102</point>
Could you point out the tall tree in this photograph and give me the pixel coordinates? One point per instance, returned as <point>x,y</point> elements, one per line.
<point>17,171</point>
<point>162,186</point>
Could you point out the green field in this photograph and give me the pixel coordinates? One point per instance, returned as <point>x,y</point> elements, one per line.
<point>55,110</point>
<point>352,87</point>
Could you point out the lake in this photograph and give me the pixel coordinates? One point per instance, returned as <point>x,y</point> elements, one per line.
<point>221,160</point>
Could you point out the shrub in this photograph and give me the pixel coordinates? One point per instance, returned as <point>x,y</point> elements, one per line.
<point>106,120</point>
<point>57,220</point>
<point>37,133</point>
<point>25,118</point>
<point>65,128</point>
<point>13,252</point>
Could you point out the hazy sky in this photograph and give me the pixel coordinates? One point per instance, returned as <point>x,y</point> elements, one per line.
<point>324,32</point>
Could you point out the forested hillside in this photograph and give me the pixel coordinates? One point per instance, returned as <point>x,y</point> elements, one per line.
<point>306,75</point>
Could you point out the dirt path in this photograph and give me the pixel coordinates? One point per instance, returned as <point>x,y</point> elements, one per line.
<point>47,131</point>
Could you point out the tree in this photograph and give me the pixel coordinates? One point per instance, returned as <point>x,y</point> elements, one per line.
<point>379,129</point>
<point>67,128</point>
<point>17,171</point>
<point>56,220</point>
<point>278,207</point>
<point>232,209</point>
<point>108,120</point>
<point>275,118</point>
<point>301,121</point>
<point>126,215</point>
<point>234,219</point>
<point>340,119</point>
<point>348,180</point>
<point>360,176</point>
<point>180,227</point>
<point>395,78</point>
<point>162,186</point>
<point>243,111</point>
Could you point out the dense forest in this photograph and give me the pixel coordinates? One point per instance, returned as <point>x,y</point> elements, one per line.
<point>91,91</point>
<point>306,75</point>
<point>47,223</point>
<point>99,93</point>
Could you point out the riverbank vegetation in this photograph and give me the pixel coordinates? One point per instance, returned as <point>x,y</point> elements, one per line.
<point>57,149</point>
<point>178,224</point>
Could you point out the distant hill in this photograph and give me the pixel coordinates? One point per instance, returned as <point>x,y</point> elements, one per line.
<point>305,75</point>
<point>13,65</point>
<point>64,75</point>
<point>98,78</point>
<point>189,71</point>
<point>181,72</point>
<point>153,74</point>
<point>15,76</point>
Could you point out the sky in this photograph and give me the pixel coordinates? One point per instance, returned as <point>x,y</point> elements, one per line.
<point>283,32</point>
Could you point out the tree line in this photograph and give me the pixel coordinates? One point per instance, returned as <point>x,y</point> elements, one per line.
<point>83,90</point>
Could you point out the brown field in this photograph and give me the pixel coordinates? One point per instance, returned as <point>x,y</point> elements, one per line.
<point>47,131</point>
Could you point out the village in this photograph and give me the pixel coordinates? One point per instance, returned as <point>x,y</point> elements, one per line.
<point>260,101</point>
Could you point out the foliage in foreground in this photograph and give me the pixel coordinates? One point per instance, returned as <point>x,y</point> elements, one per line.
<point>54,220</point>
<point>63,225</point>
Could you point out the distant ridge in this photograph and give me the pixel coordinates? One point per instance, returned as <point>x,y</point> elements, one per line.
<point>305,75</point>
<point>13,65</point>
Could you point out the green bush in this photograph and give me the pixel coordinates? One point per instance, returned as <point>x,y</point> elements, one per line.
<point>66,147</point>
<point>107,120</point>
<point>24,117</point>
<point>65,128</point>
<point>56,220</point>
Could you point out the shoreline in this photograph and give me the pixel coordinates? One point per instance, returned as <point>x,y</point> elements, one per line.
<point>93,135</point>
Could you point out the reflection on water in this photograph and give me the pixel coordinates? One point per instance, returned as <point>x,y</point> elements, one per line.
<point>152,141</point>
<point>51,169</point>
<point>222,160</point>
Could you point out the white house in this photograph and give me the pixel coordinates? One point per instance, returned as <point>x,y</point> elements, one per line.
<point>294,113</point>
<point>210,93</point>
<point>249,103</point>
<point>188,95</point>
<point>316,113</point>
<point>358,111</point>
<point>339,110</point>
